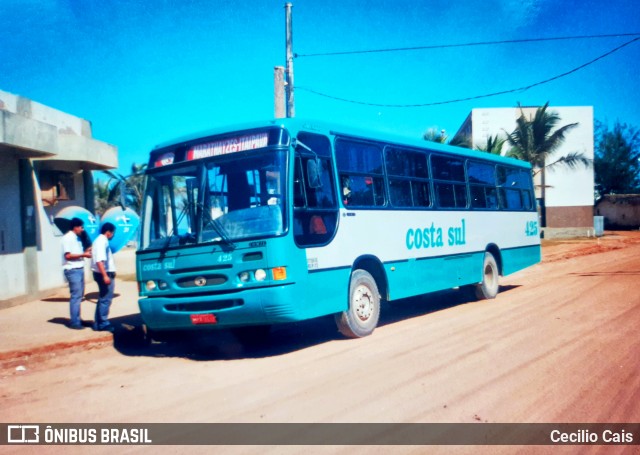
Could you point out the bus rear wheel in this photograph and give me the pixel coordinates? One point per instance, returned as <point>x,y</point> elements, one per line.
<point>361,318</point>
<point>489,286</point>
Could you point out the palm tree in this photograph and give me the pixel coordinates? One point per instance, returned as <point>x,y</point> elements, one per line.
<point>536,139</point>
<point>132,186</point>
<point>433,135</point>
<point>101,196</point>
<point>494,145</point>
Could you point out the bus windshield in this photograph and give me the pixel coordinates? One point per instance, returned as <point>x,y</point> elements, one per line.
<point>216,201</point>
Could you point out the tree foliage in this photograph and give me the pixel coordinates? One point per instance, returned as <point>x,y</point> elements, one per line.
<point>493,145</point>
<point>101,196</point>
<point>441,137</point>
<point>119,188</point>
<point>433,135</point>
<point>617,159</point>
<point>536,138</point>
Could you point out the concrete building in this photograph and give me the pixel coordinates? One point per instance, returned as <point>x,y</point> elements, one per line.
<point>567,207</point>
<point>46,160</point>
<point>620,211</point>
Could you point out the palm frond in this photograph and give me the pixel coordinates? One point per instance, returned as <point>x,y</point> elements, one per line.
<point>534,139</point>
<point>493,145</point>
<point>572,160</point>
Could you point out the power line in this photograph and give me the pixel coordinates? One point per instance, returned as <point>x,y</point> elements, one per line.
<point>503,92</point>
<point>480,43</point>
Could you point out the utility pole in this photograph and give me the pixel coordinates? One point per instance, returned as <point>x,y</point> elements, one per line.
<point>291,110</point>
<point>278,91</point>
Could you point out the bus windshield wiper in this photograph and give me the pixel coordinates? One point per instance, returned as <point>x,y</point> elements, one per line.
<point>186,238</point>
<point>217,227</point>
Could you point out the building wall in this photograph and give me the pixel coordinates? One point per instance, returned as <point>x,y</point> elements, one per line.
<point>572,187</point>
<point>491,122</point>
<point>12,265</point>
<point>620,211</point>
<point>569,217</point>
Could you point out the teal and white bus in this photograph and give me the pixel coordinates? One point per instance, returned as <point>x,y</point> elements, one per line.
<point>289,220</point>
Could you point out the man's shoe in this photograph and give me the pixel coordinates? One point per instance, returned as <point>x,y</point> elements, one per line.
<point>76,327</point>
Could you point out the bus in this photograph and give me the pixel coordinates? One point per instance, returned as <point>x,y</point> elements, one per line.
<point>290,219</point>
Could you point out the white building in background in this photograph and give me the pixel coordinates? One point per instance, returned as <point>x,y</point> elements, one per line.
<point>568,206</point>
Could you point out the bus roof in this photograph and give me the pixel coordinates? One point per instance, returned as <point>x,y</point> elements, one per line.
<point>332,129</point>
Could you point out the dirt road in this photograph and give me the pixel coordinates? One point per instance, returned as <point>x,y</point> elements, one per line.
<point>559,344</point>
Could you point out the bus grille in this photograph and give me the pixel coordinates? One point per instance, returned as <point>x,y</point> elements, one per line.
<point>201,281</point>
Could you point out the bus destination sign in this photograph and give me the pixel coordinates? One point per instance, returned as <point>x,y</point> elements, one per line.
<point>229,145</point>
<point>164,159</point>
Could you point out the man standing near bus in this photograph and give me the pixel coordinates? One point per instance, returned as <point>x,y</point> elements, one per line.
<point>73,266</point>
<point>104,273</point>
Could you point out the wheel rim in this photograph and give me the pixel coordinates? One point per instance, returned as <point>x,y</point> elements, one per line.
<point>363,302</point>
<point>489,276</point>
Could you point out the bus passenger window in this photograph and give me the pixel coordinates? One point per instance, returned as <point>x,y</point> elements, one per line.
<point>400,193</point>
<point>514,189</point>
<point>346,190</point>
<point>361,173</point>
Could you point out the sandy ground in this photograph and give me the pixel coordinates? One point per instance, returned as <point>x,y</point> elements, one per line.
<point>559,344</point>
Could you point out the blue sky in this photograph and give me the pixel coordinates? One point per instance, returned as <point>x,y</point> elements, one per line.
<point>144,72</point>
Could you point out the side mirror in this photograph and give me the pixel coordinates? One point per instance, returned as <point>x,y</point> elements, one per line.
<point>313,173</point>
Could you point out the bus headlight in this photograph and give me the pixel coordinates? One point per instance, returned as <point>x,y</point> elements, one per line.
<point>150,285</point>
<point>244,277</point>
<point>260,275</point>
<point>162,285</point>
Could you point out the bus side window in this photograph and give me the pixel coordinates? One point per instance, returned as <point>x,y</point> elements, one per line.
<point>346,189</point>
<point>317,226</point>
<point>363,191</point>
<point>449,181</point>
<point>514,189</point>
<point>408,177</point>
<point>298,184</point>
<point>315,200</point>
<point>360,167</point>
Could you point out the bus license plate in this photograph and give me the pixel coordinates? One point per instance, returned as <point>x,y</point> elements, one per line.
<point>204,319</point>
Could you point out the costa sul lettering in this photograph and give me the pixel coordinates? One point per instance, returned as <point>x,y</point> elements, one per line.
<point>432,236</point>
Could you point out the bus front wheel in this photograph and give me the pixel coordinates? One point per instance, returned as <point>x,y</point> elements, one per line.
<point>488,287</point>
<point>361,318</point>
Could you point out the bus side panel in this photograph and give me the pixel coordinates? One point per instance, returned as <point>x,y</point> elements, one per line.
<point>327,292</point>
<point>470,271</point>
<point>433,274</point>
<point>430,250</point>
<point>401,276</point>
<point>514,259</point>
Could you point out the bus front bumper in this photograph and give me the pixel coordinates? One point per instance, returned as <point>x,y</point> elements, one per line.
<point>269,305</point>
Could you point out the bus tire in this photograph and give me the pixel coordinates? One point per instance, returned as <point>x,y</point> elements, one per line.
<point>489,286</point>
<point>361,318</point>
